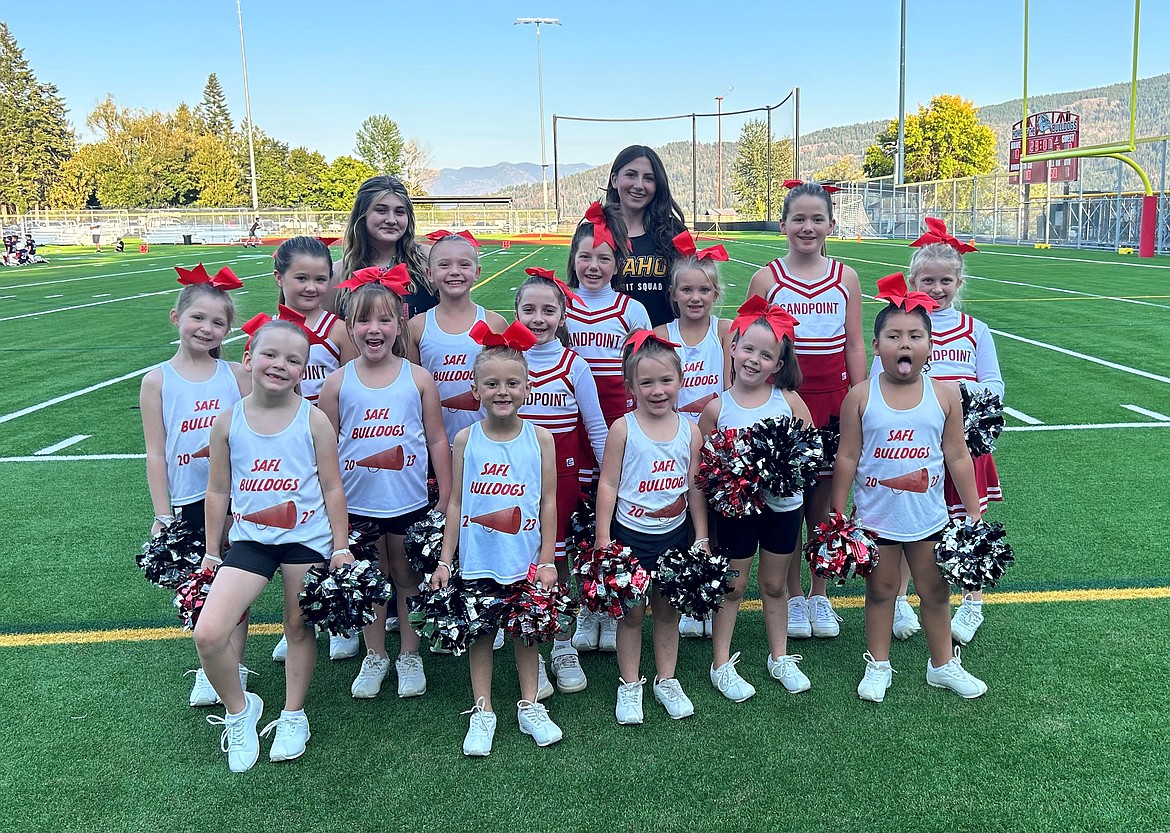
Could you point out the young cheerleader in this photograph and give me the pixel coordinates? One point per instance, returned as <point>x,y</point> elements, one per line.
<point>380,232</point>
<point>646,487</point>
<point>597,327</point>
<point>563,396</point>
<point>826,298</point>
<point>764,382</point>
<point>275,456</point>
<point>639,189</point>
<point>179,400</point>
<point>897,433</point>
<point>963,351</point>
<point>503,466</point>
<point>386,412</point>
<point>440,340</point>
<point>703,346</point>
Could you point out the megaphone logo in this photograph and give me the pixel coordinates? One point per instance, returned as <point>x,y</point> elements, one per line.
<point>203,452</point>
<point>281,516</point>
<point>392,459</point>
<point>506,521</point>
<point>698,405</point>
<point>915,481</point>
<point>671,510</point>
<point>465,401</point>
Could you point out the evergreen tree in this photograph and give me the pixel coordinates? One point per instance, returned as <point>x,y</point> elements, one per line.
<point>213,110</point>
<point>750,170</point>
<point>35,137</point>
<point>379,144</point>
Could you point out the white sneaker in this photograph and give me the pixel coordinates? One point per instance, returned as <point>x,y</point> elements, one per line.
<point>292,733</point>
<point>498,642</point>
<point>280,652</point>
<point>690,627</point>
<point>566,667</point>
<point>878,676</point>
<point>373,673</point>
<point>239,739</point>
<point>203,692</point>
<point>544,688</point>
<point>534,721</point>
<point>906,622</point>
<point>629,702</point>
<point>392,624</point>
<point>607,636</point>
<point>956,678</point>
<point>587,634</point>
<point>477,743</point>
<point>799,626</point>
<point>825,621</point>
<point>728,682</point>
<point>412,680</point>
<point>785,670</point>
<point>669,693</point>
<point>968,617</point>
<point>343,647</point>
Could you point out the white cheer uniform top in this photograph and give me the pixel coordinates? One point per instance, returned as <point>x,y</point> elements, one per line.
<point>702,369</point>
<point>733,415</point>
<point>188,409</point>
<point>652,492</point>
<point>564,396</point>
<point>961,351</point>
<point>898,488</point>
<point>449,359</point>
<point>276,496</point>
<point>596,334</point>
<point>324,357</point>
<point>382,445</point>
<point>819,308</point>
<point>499,531</point>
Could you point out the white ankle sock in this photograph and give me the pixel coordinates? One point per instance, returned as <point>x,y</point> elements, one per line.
<point>297,713</point>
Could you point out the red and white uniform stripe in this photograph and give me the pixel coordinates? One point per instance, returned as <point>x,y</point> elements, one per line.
<point>596,334</point>
<point>324,357</point>
<point>819,307</point>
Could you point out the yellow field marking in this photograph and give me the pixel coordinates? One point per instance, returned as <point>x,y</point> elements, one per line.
<point>30,640</point>
<point>488,280</point>
<point>1048,300</point>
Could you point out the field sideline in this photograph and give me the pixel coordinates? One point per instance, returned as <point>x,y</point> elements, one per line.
<point>1070,737</point>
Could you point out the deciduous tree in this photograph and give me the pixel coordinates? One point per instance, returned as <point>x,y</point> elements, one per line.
<point>944,140</point>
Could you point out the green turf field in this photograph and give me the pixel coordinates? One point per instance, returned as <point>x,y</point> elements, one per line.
<point>1072,735</point>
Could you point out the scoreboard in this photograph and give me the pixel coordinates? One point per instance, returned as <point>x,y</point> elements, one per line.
<point>1055,130</point>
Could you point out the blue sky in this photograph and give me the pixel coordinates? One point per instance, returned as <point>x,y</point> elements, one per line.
<point>461,78</point>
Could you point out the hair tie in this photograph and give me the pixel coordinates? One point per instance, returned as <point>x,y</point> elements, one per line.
<point>517,336</point>
<point>938,234</point>
<point>638,338</point>
<point>893,288</point>
<point>225,279</point>
<point>396,279</point>
<point>549,274</point>
<point>601,233</point>
<point>436,236</point>
<point>685,245</point>
<point>755,308</point>
<point>796,183</point>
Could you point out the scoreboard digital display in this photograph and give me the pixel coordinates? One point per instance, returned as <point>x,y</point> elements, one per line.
<point>1055,130</point>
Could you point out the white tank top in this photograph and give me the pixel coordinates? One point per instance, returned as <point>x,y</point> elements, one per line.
<point>276,496</point>
<point>702,369</point>
<point>382,445</point>
<point>449,359</point>
<point>324,358</point>
<point>499,531</point>
<point>898,489</point>
<point>188,409</point>
<point>652,492</point>
<point>733,415</point>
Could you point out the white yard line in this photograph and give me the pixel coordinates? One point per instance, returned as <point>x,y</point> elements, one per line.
<point>1113,365</point>
<point>103,277</point>
<point>1088,427</point>
<point>1021,416</point>
<point>1151,414</point>
<point>65,443</point>
<point>72,458</point>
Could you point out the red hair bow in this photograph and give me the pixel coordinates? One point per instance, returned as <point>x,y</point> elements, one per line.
<point>601,233</point>
<point>436,236</point>
<point>396,279</point>
<point>893,288</point>
<point>253,324</point>
<point>639,337</point>
<point>517,336</point>
<point>225,279</point>
<point>755,308</point>
<point>938,234</point>
<point>796,183</point>
<point>685,244</point>
<point>570,295</point>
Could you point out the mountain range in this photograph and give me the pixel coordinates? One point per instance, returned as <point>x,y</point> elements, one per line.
<point>480,181</point>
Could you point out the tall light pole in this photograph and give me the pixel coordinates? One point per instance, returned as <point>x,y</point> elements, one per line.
<point>248,110</point>
<point>551,21</point>
<point>719,148</point>
<point>900,154</point>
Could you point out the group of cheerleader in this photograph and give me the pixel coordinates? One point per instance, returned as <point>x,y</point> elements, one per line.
<point>380,373</point>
